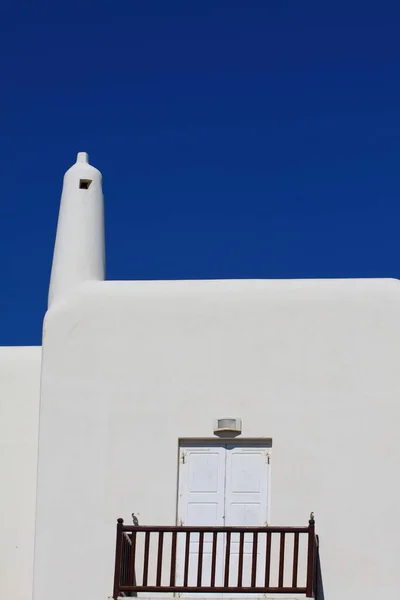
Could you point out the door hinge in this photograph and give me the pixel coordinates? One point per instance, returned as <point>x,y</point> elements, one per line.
<point>182,457</point>
<point>267,457</point>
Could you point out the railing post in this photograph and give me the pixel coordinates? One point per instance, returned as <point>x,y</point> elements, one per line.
<point>311,557</point>
<point>118,554</point>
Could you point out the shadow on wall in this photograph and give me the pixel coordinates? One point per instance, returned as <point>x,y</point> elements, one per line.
<point>319,586</point>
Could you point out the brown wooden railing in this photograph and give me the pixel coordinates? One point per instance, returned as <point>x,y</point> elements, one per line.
<point>260,560</point>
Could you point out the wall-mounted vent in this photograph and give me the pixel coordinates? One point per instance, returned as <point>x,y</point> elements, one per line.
<point>228,425</point>
<point>84,184</point>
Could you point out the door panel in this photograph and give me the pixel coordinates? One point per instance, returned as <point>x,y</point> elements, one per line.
<point>201,502</point>
<point>246,498</point>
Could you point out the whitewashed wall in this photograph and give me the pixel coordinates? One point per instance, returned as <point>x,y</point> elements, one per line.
<point>131,367</point>
<point>19,417</point>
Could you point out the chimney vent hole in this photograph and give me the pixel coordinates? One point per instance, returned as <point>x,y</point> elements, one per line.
<point>84,184</point>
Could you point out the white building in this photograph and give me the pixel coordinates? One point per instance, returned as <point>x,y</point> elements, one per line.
<point>128,386</point>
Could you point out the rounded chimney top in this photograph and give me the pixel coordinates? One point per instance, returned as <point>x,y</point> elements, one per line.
<point>79,251</point>
<point>83,157</point>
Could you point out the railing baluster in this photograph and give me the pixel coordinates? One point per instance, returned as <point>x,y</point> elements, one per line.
<point>132,577</point>
<point>200,559</point>
<point>187,557</point>
<point>126,558</point>
<point>295,559</point>
<point>173,559</point>
<point>123,560</point>
<point>146,558</point>
<point>268,559</point>
<point>227,558</point>
<point>159,557</point>
<point>254,560</point>
<point>214,558</point>
<point>240,562</point>
<point>281,560</point>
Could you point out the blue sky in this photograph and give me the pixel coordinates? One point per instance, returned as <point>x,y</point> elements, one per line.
<point>236,139</point>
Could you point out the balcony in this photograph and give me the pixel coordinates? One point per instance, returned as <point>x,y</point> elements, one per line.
<point>215,560</point>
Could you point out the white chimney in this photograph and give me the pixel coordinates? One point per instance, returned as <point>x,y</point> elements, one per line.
<point>79,252</point>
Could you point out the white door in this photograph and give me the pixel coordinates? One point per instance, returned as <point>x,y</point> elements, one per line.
<point>246,504</point>
<point>201,502</point>
<point>224,484</point>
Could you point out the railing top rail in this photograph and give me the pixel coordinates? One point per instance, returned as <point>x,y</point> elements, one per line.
<point>193,529</point>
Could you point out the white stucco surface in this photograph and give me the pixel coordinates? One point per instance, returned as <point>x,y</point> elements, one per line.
<point>131,367</point>
<point>19,417</point>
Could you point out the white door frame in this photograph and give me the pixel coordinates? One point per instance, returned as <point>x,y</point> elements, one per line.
<point>205,445</point>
